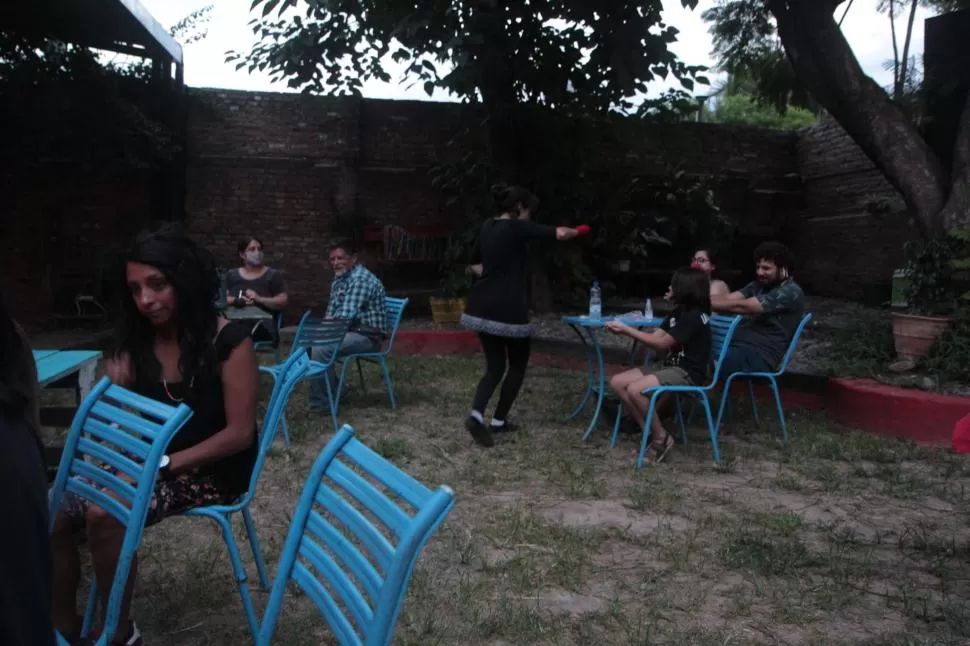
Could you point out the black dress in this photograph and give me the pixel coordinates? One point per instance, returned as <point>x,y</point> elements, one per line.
<point>498,303</point>
<point>205,397</point>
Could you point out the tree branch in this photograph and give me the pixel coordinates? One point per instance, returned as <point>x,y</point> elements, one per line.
<point>825,64</point>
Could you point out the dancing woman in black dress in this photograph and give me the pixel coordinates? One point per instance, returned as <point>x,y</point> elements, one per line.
<point>498,304</point>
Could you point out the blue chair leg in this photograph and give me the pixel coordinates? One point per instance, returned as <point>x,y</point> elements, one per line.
<point>616,427</point>
<point>754,403</point>
<point>645,442</point>
<point>781,411</point>
<point>680,422</point>
<point>238,571</point>
<point>387,382</point>
<point>713,429</point>
<point>254,544</point>
<point>725,400</point>
<point>335,404</point>
<point>90,606</point>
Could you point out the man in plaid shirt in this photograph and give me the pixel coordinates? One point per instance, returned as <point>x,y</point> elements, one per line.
<point>355,294</point>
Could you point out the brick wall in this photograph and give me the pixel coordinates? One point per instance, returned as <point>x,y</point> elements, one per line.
<point>848,238</point>
<point>286,168</point>
<point>292,170</point>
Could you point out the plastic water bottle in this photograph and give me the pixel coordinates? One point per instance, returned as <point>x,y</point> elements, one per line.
<point>648,310</point>
<point>595,301</point>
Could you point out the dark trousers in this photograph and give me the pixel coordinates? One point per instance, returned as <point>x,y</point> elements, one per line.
<point>501,353</point>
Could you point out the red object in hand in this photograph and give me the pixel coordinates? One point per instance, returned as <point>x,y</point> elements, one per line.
<point>582,229</point>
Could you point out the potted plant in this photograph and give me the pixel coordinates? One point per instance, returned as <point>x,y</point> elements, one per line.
<point>448,302</point>
<point>929,296</point>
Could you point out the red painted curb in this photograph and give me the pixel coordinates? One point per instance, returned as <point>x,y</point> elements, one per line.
<point>926,418</point>
<point>923,417</point>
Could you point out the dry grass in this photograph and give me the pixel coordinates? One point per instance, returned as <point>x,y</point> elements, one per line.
<point>831,538</point>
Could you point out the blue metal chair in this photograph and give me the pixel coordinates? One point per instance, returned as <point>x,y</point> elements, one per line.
<point>355,570</point>
<point>772,378</point>
<point>310,334</point>
<point>395,310</point>
<point>275,346</point>
<point>722,330</point>
<point>293,371</point>
<point>118,430</point>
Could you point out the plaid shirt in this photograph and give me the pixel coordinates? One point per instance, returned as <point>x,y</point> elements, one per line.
<point>359,295</point>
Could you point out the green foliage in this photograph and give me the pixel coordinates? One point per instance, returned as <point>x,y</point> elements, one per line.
<point>61,101</point>
<point>744,109</point>
<point>930,268</point>
<point>547,52</point>
<point>863,348</point>
<point>949,359</point>
<point>746,44</point>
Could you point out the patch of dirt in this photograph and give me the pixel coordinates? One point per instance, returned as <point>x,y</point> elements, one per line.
<point>564,602</point>
<point>597,514</point>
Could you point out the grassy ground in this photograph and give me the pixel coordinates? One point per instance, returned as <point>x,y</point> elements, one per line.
<point>831,538</point>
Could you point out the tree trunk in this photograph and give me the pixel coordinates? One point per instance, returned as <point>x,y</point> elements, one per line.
<point>826,65</point>
<point>897,91</point>
<point>957,209</point>
<point>904,64</point>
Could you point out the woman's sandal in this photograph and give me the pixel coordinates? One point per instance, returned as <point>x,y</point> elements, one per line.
<point>659,450</point>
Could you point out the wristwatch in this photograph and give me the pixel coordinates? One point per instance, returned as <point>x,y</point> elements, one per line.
<point>164,468</point>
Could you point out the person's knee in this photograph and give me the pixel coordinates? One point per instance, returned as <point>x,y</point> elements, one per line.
<point>617,384</point>
<point>101,525</point>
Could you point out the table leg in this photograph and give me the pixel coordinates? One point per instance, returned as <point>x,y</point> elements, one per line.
<point>590,358</point>
<point>597,381</point>
<point>85,380</point>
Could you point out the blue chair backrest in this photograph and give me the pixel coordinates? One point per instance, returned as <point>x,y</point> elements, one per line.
<point>395,310</point>
<point>320,333</point>
<point>794,342</point>
<point>358,530</point>
<point>722,331</point>
<point>119,430</point>
<point>293,370</point>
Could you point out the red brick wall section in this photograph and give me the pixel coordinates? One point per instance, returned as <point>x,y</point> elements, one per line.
<point>849,236</point>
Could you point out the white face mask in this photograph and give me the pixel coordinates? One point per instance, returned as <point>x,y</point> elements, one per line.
<point>254,258</point>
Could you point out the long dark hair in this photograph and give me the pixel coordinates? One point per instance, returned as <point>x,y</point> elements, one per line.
<point>691,290</point>
<point>18,373</point>
<point>191,271</point>
<point>508,199</point>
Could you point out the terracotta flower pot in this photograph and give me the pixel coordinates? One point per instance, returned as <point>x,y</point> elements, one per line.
<point>914,335</point>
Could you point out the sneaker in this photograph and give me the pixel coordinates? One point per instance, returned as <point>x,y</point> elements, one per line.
<point>481,433</point>
<point>133,638</point>
<point>507,427</point>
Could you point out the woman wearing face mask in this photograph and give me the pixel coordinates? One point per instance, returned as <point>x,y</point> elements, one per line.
<point>256,284</point>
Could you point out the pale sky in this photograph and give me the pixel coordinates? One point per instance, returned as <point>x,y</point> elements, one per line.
<point>867,31</point>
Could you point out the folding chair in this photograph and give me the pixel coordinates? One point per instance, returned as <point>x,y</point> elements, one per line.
<point>356,535</point>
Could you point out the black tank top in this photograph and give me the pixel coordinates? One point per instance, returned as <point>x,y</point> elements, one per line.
<point>206,399</point>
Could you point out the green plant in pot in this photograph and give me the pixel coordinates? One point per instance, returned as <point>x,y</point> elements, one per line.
<point>448,302</point>
<point>930,297</point>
